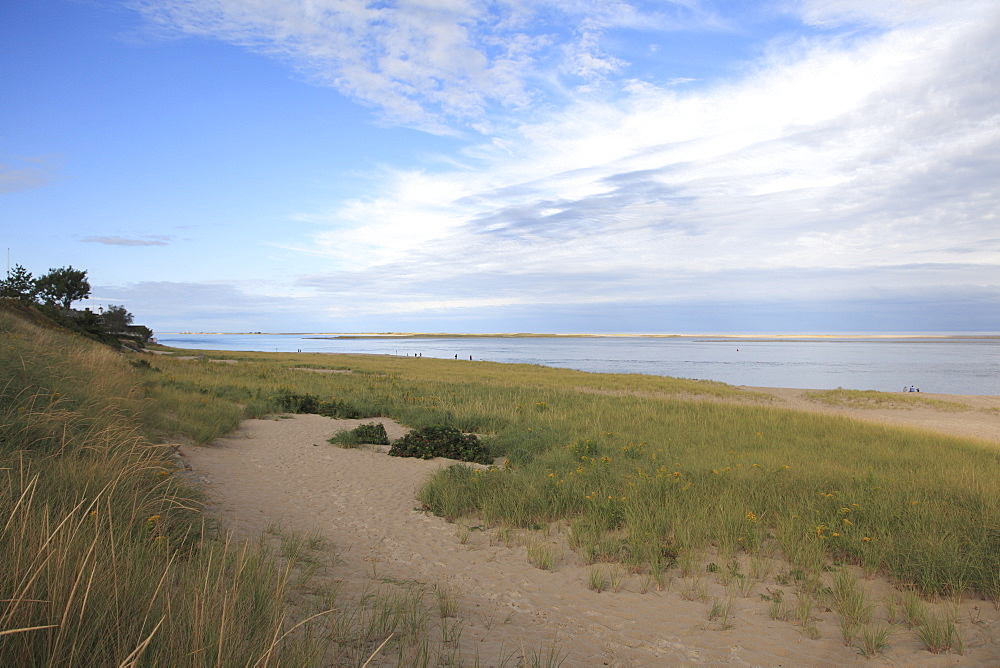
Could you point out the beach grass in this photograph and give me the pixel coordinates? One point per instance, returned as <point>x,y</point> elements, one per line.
<point>107,557</point>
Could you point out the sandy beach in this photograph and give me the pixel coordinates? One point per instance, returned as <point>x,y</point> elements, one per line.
<point>282,472</point>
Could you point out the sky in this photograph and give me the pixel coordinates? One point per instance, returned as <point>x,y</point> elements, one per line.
<point>464,166</point>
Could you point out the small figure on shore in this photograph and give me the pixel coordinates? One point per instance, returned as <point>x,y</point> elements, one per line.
<point>456,355</point>
<point>470,358</point>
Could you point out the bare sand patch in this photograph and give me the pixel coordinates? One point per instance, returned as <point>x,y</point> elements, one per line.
<point>980,421</point>
<point>283,470</point>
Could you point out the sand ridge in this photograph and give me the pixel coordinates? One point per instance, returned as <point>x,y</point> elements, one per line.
<point>283,470</point>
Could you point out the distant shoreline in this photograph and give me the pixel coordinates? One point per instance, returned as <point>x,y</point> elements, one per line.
<point>716,337</point>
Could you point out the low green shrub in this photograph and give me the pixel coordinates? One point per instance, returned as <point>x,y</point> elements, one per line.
<point>441,441</point>
<point>308,403</point>
<point>373,433</point>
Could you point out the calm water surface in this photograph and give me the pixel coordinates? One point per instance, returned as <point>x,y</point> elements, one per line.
<point>966,365</point>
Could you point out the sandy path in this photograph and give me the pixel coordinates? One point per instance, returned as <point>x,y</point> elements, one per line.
<point>282,470</point>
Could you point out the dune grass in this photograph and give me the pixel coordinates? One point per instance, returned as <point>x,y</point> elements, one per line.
<point>107,559</point>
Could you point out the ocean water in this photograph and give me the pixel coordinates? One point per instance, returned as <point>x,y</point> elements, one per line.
<point>950,365</point>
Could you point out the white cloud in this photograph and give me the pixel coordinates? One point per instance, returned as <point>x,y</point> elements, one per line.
<point>838,167</point>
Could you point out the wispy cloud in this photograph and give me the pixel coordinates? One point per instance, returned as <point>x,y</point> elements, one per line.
<point>149,240</point>
<point>439,66</point>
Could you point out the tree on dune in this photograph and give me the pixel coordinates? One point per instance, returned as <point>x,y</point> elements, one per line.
<point>63,286</point>
<point>18,285</point>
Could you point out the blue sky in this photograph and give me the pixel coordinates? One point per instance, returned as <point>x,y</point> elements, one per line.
<point>509,166</point>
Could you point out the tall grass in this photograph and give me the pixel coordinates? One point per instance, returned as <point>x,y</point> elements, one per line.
<point>106,557</point>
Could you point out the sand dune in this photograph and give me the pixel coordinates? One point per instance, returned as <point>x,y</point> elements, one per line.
<point>283,470</point>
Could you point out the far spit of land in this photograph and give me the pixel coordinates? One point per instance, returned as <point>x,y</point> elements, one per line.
<point>526,335</point>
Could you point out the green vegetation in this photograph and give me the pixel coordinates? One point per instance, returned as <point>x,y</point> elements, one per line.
<point>370,434</point>
<point>441,441</point>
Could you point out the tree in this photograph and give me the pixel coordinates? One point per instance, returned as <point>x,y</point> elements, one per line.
<point>63,286</point>
<point>116,319</point>
<point>18,285</point>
